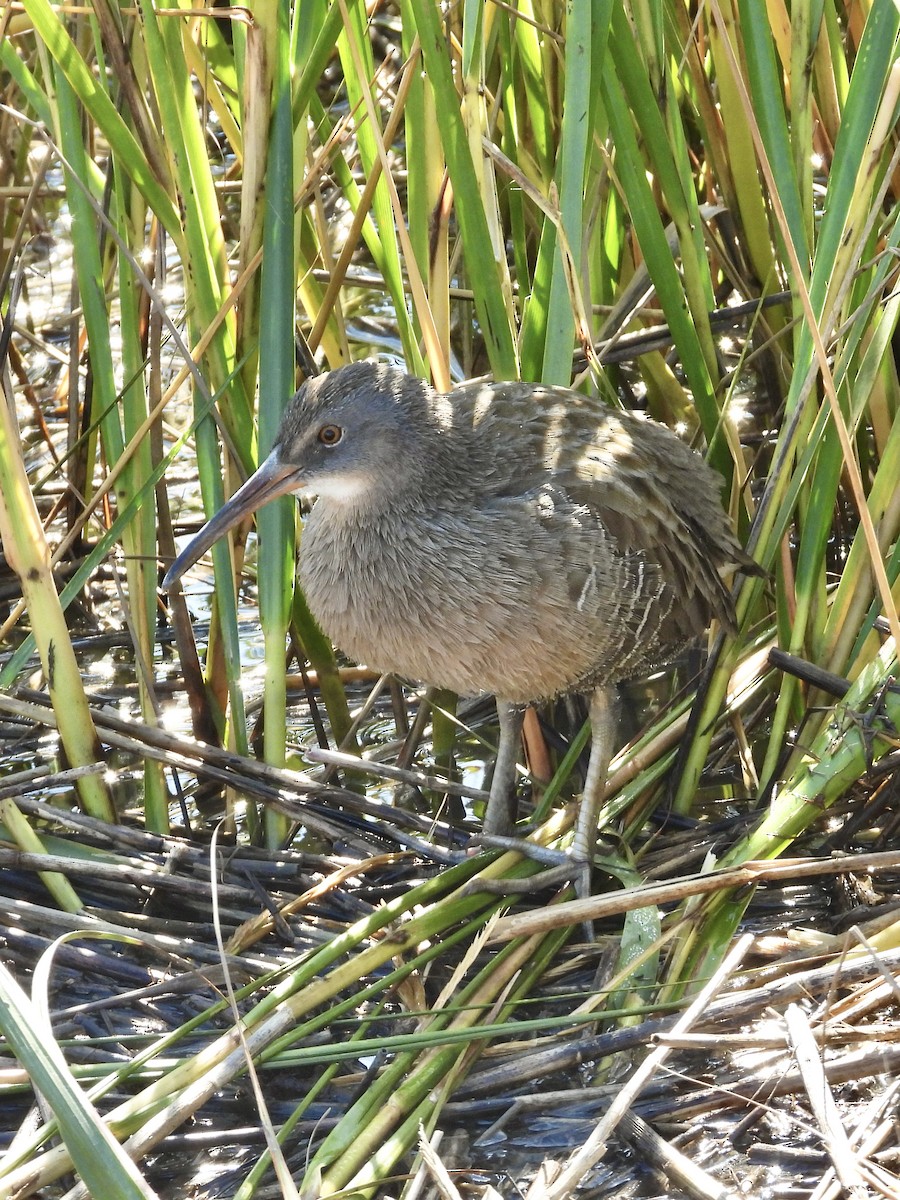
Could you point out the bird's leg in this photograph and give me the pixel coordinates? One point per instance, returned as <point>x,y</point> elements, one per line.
<point>604,723</point>
<point>500,815</point>
<point>578,861</point>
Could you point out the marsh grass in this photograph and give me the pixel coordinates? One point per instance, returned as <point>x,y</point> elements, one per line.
<point>531,186</point>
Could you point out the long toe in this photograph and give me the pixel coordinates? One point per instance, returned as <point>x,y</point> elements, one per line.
<point>560,866</point>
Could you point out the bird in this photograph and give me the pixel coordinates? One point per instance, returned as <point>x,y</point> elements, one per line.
<point>518,539</point>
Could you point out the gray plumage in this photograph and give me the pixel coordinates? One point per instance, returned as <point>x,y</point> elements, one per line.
<point>510,538</point>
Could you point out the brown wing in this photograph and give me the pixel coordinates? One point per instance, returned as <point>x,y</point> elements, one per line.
<point>656,497</point>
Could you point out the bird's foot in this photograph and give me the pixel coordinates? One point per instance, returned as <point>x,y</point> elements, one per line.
<point>562,866</point>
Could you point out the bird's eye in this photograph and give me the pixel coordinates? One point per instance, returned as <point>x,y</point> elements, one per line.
<point>330,435</point>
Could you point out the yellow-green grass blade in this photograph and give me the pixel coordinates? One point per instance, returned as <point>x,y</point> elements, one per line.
<point>847,626</point>
<point>848,198</point>
<point>476,126</point>
<point>484,273</point>
<point>631,174</point>
<point>27,552</point>
<point>514,70</point>
<point>18,829</point>
<point>858,733</point>
<point>353,46</point>
<point>122,141</point>
<point>276,522</point>
<point>549,328</point>
<point>686,301</point>
<point>139,536</point>
<point>315,32</point>
<point>256,1174</point>
<point>764,82</point>
<point>316,27</point>
<point>426,193</point>
<point>105,544</point>
<point>438,906</point>
<point>215,68</point>
<point>530,75</point>
<point>19,72</point>
<point>103,1166</point>
<point>360,1151</point>
<point>203,253</point>
<point>787,496</point>
<point>207,284</point>
<point>139,540</point>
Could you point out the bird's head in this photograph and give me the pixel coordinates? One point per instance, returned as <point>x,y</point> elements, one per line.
<point>352,437</point>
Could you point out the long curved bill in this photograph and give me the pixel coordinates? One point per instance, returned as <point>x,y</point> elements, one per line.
<point>270,480</point>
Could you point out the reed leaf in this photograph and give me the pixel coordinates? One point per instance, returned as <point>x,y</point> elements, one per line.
<point>274,192</point>
<point>101,1163</point>
<point>27,552</point>
<point>504,189</point>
